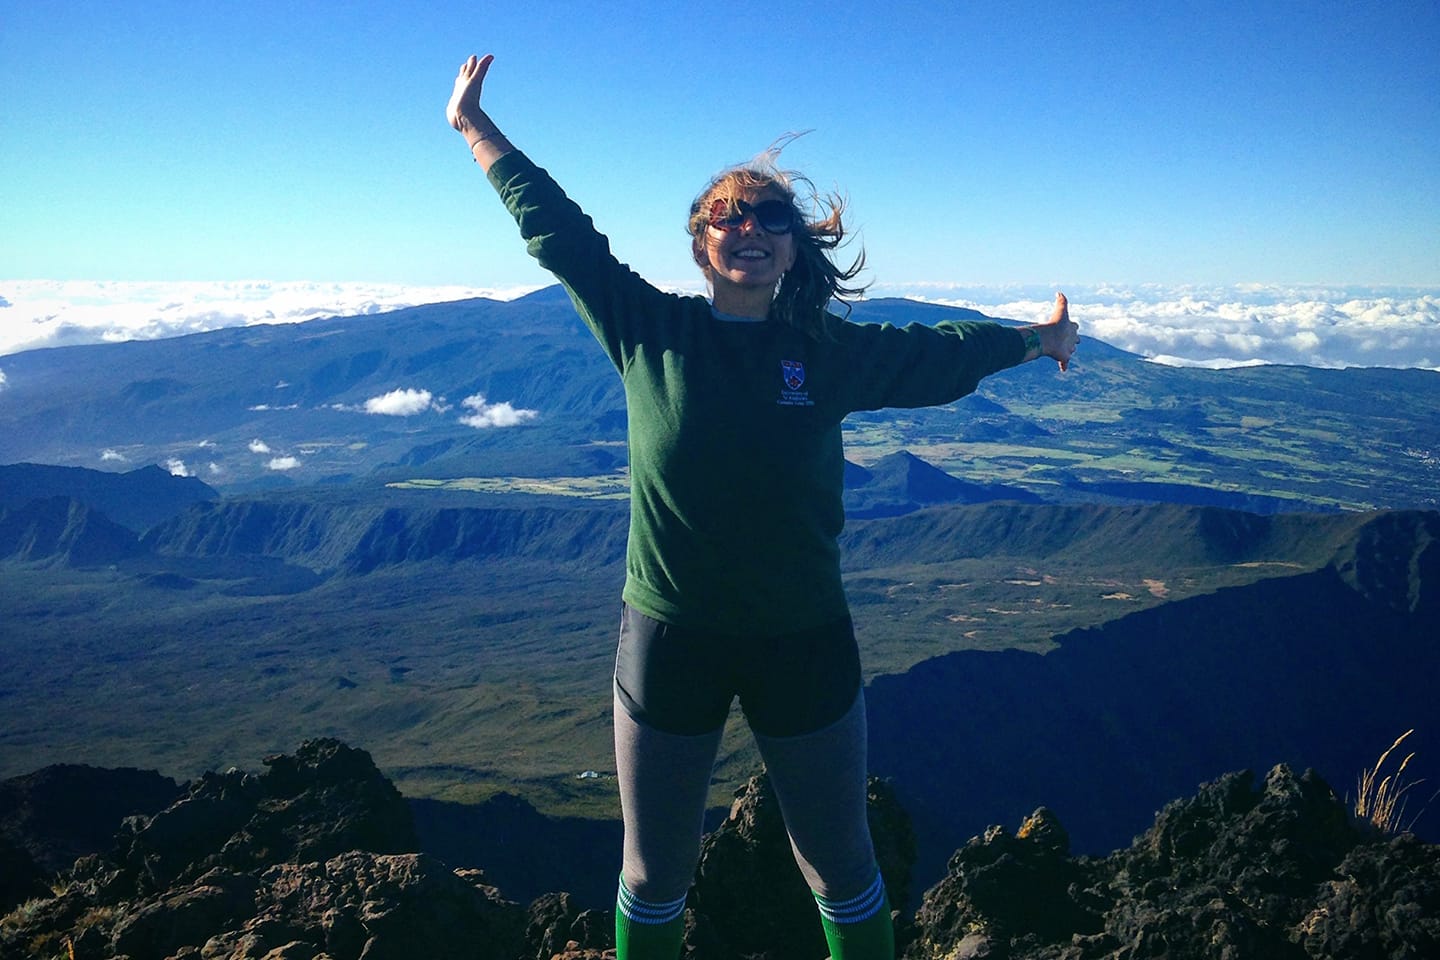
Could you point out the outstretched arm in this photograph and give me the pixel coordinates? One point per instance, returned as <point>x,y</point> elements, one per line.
<point>487,143</point>
<point>1057,338</point>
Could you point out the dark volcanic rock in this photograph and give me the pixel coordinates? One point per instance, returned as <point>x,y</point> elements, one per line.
<point>1234,873</point>
<point>54,816</point>
<point>1004,887</point>
<point>376,906</point>
<point>750,899</point>
<point>1385,903</point>
<point>554,926</point>
<point>304,862</point>
<point>325,800</point>
<point>206,867</point>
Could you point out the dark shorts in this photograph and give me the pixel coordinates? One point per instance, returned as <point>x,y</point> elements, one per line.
<point>682,681</point>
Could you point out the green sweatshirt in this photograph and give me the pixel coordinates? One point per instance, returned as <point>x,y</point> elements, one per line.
<point>736,462</point>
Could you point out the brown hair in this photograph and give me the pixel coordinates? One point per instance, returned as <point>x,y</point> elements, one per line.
<point>805,291</point>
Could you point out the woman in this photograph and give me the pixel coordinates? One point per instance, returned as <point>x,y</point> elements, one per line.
<point>733,581</point>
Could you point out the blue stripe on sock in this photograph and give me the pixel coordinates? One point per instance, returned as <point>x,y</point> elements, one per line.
<point>857,909</point>
<point>643,911</point>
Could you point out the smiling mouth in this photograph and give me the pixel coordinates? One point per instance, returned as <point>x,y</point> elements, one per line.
<point>751,255</point>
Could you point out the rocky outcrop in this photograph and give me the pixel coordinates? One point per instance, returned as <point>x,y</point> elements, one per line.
<point>52,817</point>
<point>1274,873</point>
<point>749,898</point>
<point>314,855</point>
<point>314,858</point>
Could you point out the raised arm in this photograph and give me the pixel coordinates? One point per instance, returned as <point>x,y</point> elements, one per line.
<point>487,143</point>
<point>1055,339</point>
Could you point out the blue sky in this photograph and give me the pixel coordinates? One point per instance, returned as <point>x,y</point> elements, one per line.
<point>981,145</point>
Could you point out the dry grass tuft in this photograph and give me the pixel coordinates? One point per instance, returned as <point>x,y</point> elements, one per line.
<point>1381,796</point>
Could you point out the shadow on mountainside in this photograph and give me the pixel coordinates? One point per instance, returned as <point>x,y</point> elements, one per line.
<point>1319,670</point>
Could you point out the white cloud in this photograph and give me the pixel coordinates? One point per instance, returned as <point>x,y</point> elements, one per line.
<point>1243,324</point>
<point>56,313</point>
<point>177,467</point>
<point>259,446</point>
<point>2,379</point>
<point>214,468</point>
<point>113,455</point>
<point>283,463</point>
<point>486,414</point>
<point>1316,325</point>
<point>399,403</point>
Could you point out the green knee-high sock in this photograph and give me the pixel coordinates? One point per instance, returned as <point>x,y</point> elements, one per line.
<point>648,931</point>
<point>859,928</point>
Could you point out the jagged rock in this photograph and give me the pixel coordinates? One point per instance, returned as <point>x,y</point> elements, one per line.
<point>63,812</point>
<point>1385,904</point>
<point>1236,872</point>
<point>317,850</point>
<point>555,927</point>
<point>376,906</point>
<point>185,917</point>
<point>749,895</point>
<point>326,799</point>
<point>1001,890</point>
<point>1233,873</point>
<point>21,878</point>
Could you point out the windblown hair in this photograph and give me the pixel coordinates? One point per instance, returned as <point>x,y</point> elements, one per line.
<point>804,294</point>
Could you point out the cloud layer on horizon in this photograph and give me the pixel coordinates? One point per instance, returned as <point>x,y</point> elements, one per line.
<point>1208,326</point>
<point>58,313</point>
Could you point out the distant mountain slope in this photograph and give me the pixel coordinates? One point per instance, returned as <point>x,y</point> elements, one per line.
<point>359,535</point>
<point>389,396</point>
<point>1318,670</point>
<point>64,531</point>
<point>137,499</point>
<point>358,539</point>
<point>902,482</point>
<point>1161,536</point>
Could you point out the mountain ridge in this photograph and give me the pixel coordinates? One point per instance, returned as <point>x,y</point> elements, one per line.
<point>299,404</point>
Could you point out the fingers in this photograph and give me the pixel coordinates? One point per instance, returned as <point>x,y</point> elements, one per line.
<point>473,70</point>
<point>465,99</point>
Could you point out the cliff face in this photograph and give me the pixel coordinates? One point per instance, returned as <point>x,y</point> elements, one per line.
<point>1314,669</point>
<point>316,857</point>
<point>58,530</point>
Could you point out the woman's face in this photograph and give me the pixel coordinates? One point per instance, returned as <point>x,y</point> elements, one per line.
<point>739,251</point>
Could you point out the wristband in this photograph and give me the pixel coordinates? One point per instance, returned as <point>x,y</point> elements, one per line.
<point>491,135</point>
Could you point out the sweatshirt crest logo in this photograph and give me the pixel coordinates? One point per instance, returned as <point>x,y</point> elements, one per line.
<point>792,380</point>
<point>793,373</point>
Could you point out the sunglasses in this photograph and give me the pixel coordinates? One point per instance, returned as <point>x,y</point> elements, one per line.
<point>772,216</point>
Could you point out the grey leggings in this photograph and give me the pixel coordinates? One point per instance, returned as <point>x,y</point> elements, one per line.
<point>818,777</point>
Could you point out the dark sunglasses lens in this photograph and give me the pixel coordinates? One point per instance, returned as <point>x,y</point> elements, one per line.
<point>723,217</point>
<point>774,216</point>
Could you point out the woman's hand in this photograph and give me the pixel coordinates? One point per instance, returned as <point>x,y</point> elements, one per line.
<point>1059,337</point>
<point>464,111</point>
<point>487,143</point>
